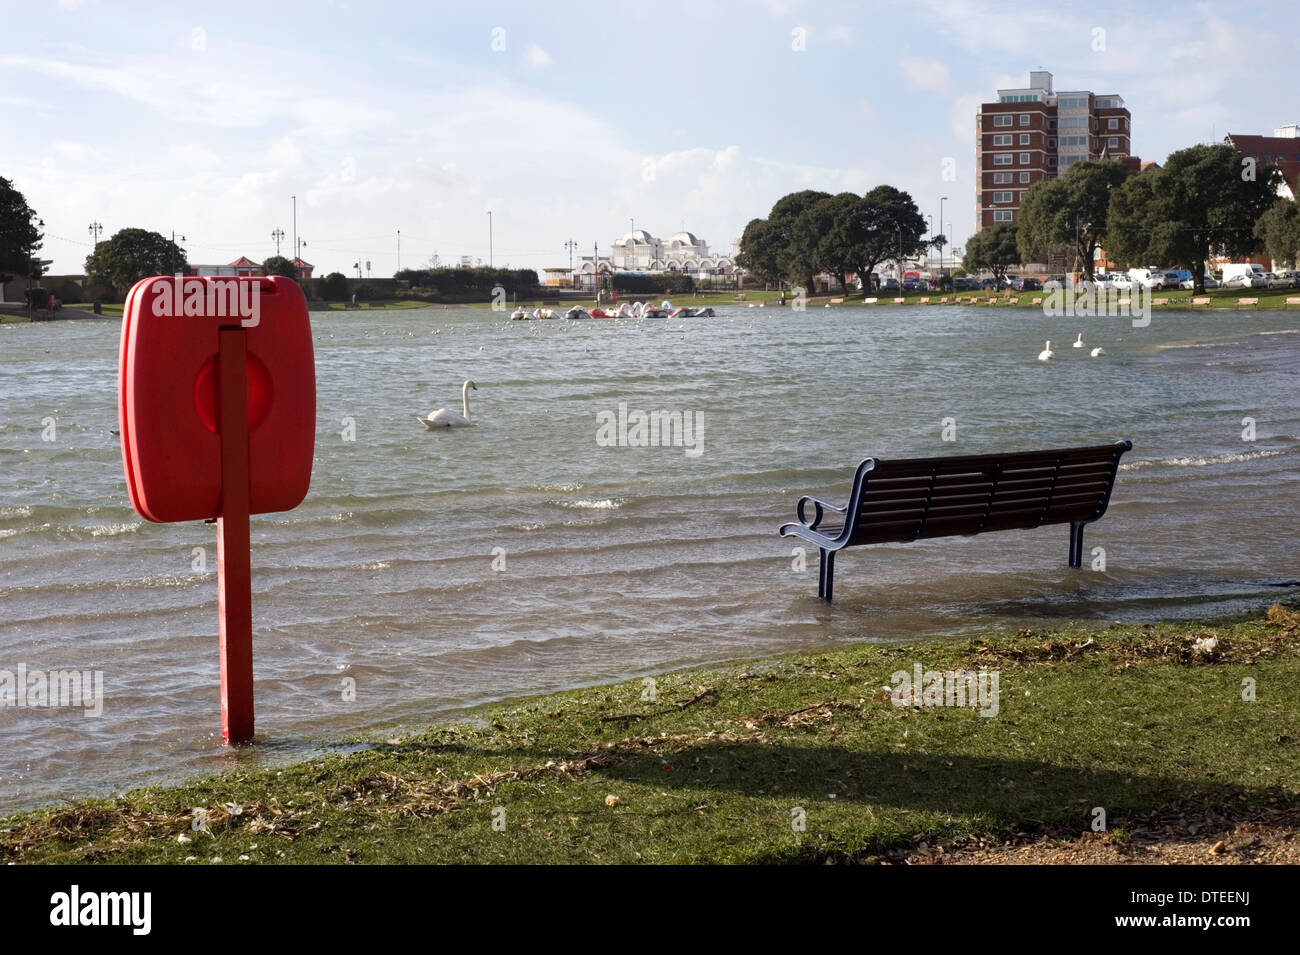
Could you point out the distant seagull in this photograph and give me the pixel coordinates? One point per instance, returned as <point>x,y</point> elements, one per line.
<point>1047,354</point>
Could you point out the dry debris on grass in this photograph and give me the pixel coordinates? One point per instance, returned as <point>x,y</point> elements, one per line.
<point>1251,836</point>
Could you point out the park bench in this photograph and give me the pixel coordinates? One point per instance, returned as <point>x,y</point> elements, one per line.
<point>919,498</point>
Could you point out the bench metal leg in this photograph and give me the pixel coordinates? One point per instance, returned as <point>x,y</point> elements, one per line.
<point>1076,544</point>
<point>827,578</point>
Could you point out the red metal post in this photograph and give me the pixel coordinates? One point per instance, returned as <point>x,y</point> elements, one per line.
<point>234,585</point>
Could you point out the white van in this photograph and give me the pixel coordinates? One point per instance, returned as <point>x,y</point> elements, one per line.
<point>1149,278</point>
<point>1243,275</point>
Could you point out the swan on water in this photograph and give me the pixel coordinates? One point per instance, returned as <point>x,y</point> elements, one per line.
<point>1046,354</point>
<point>1098,351</point>
<point>442,418</point>
<point>1078,342</point>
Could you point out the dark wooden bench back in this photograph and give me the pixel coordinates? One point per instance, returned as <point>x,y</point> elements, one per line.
<point>916,498</point>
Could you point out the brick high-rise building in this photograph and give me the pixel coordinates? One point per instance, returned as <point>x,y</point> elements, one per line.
<point>1035,133</point>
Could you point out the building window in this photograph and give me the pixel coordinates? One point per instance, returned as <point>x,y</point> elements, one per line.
<point>1051,124</point>
<point>1112,124</point>
<point>1024,139</point>
<point>1002,159</point>
<point>1024,159</point>
<point>1112,142</point>
<point>1002,215</point>
<point>1002,140</point>
<point>1001,197</point>
<point>1002,119</point>
<point>1002,178</point>
<point>1051,144</point>
<point>1024,119</point>
<point>1051,160</point>
<point>1024,177</point>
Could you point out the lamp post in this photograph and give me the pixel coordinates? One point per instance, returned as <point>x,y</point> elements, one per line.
<point>570,245</point>
<point>490,239</point>
<point>931,218</point>
<point>31,269</point>
<point>295,226</point>
<point>94,230</point>
<point>399,250</point>
<point>277,235</point>
<point>942,200</point>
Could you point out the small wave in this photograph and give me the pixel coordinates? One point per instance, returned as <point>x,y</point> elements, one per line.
<point>1200,462</point>
<point>23,511</point>
<point>98,530</point>
<point>605,504</point>
<point>375,564</point>
<point>529,527</point>
<point>559,488</point>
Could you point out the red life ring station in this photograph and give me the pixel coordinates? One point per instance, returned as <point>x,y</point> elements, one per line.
<point>217,412</point>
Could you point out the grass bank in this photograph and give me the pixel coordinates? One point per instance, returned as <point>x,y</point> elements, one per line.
<point>799,759</point>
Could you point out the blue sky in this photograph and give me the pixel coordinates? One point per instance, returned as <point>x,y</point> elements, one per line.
<point>566,120</point>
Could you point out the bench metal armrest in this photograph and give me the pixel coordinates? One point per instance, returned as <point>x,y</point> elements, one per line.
<point>819,507</point>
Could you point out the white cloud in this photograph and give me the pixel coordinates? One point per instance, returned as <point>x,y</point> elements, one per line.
<point>535,56</point>
<point>284,152</point>
<point>922,74</point>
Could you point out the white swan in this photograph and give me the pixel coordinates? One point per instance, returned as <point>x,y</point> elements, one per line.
<point>1047,354</point>
<point>1098,351</point>
<point>1078,342</point>
<point>442,418</point>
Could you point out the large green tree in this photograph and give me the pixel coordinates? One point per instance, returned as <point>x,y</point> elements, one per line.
<point>279,265</point>
<point>1279,231</point>
<point>823,234</point>
<point>1070,212</point>
<point>131,255</point>
<point>993,249</point>
<point>794,259</point>
<point>20,235</point>
<point>888,226</point>
<point>1204,200</point>
<point>760,250</point>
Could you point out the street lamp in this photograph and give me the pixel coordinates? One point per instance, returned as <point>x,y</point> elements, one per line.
<point>277,235</point>
<point>94,230</point>
<point>942,200</point>
<point>357,265</point>
<point>31,269</point>
<point>489,238</point>
<point>399,250</point>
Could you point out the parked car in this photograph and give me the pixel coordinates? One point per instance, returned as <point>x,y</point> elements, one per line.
<point>911,285</point>
<point>1025,283</point>
<point>1246,280</point>
<point>889,284</point>
<point>1243,275</point>
<point>965,284</point>
<point>1283,279</point>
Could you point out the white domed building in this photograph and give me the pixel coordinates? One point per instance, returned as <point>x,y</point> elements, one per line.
<point>639,251</point>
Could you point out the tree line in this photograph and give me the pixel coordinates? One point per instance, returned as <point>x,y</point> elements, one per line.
<point>1205,200</point>
<point>810,232</point>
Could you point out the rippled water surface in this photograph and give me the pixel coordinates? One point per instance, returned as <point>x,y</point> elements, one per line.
<point>618,561</point>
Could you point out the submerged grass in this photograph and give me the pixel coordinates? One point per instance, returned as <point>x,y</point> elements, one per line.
<point>723,764</point>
